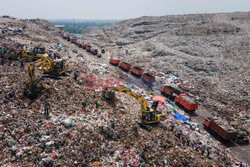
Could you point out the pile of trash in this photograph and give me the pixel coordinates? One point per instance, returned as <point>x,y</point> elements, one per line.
<point>83,129</point>
<point>71,124</point>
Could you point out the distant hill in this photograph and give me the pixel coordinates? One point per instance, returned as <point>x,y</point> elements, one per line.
<point>81,26</point>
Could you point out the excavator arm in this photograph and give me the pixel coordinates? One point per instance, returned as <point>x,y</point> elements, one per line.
<point>147,116</point>
<point>55,68</point>
<point>45,64</point>
<point>140,99</point>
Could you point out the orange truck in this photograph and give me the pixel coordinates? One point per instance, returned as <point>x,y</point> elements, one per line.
<point>186,102</point>
<point>146,77</point>
<point>114,62</point>
<point>82,46</point>
<point>124,66</point>
<point>175,95</point>
<point>137,71</point>
<point>73,41</point>
<point>224,134</point>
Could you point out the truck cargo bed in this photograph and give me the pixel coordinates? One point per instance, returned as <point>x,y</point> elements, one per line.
<point>224,134</point>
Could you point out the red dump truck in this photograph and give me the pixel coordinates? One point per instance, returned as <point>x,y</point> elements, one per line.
<point>73,41</point>
<point>88,47</point>
<point>124,66</point>
<point>146,77</point>
<point>186,102</point>
<point>114,62</point>
<point>82,46</point>
<point>137,71</point>
<point>224,134</point>
<point>227,135</point>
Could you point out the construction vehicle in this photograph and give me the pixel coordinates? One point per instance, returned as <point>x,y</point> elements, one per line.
<point>148,116</point>
<point>36,53</point>
<point>124,66</point>
<point>73,41</point>
<point>136,71</point>
<point>174,94</point>
<point>146,77</point>
<point>114,62</point>
<point>82,46</point>
<point>88,47</point>
<point>55,68</point>
<point>226,135</point>
<point>188,103</point>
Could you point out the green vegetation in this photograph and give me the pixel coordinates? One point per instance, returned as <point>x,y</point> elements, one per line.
<point>81,26</point>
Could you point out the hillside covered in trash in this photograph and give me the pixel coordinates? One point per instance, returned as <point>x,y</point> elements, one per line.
<point>83,128</point>
<point>209,51</point>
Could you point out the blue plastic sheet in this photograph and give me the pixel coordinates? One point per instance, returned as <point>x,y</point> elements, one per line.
<point>59,45</point>
<point>180,117</point>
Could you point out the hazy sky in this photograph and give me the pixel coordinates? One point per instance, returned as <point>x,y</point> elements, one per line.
<point>115,9</point>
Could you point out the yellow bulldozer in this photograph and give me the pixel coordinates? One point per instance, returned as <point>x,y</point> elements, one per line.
<point>35,54</point>
<point>148,115</point>
<point>54,68</point>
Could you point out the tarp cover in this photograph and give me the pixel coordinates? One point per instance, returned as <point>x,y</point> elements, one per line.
<point>160,99</point>
<point>180,117</point>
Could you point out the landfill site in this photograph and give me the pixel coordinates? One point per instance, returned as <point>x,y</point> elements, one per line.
<point>150,91</point>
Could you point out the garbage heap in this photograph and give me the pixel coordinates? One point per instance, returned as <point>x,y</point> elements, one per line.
<point>82,128</point>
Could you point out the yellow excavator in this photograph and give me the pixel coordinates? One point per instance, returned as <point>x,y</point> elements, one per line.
<point>55,68</point>
<point>148,116</point>
<point>36,53</point>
